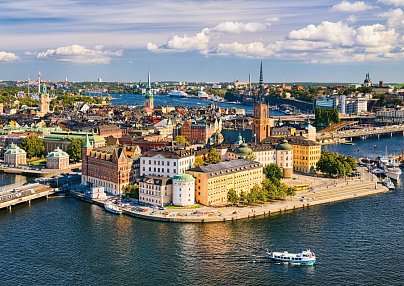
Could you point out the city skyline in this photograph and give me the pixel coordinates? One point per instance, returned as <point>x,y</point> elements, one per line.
<point>321,41</point>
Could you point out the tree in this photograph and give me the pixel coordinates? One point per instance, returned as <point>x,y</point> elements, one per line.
<point>180,140</point>
<point>198,162</point>
<point>132,191</point>
<point>243,196</point>
<point>74,149</point>
<point>213,157</point>
<point>232,196</point>
<point>273,172</point>
<point>291,191</point>
<point>251,156</point>
<point>33,145</point>
<point>334,164</point>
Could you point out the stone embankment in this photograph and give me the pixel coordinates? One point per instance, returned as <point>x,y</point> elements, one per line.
<point>318,194</point>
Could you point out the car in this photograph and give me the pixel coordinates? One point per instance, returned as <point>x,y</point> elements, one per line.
<point>161,208</point>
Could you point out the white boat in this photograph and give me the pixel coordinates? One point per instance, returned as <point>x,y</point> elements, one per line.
<point>388,183</point>
<point>393,173</point>
<point>203,95</point>
<point>177,93</point>
<point>377,171</point>
<point>112,208</point>
<point>306,257</point>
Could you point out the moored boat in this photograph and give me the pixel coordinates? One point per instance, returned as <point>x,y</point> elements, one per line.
<point>388,183</point>
<point>177,93</point>
<point>393,173</point>
<point>112,208</point>
<point>306,257</point>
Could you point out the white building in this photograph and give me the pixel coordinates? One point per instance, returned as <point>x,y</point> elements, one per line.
<point>183,190</point>
<point>96,193</point>
<point>155,190</point>
<point>165,163</point>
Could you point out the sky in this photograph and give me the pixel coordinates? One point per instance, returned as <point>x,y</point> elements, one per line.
<point>214,40</point>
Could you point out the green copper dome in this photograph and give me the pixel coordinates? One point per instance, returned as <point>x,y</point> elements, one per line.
<point>184,178</point>
<point>243,150</point>
<point>284,145</point>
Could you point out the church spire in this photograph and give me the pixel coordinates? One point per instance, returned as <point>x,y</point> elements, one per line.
<point>148,80</point>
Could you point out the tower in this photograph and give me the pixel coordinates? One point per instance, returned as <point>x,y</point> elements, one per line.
<point>44,101</point>
<point>149,100</point>
<point>39,82</point>
<point>261,120</point>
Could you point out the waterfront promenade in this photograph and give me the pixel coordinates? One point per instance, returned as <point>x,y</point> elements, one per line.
<point>322,191</point>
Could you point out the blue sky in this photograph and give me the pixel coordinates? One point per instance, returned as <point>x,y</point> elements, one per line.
<point>117,40</point>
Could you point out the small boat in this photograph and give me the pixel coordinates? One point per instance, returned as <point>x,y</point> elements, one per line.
<point>378,171</point>
<point>203,95</point>
<point>112,208</point>
<point>393,173</point>
<point>388,183</point>
<point>306,257</point>
<point>177,93</point>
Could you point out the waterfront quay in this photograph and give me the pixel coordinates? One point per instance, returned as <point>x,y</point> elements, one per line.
<point>321,191</point>
<point>21,170</point>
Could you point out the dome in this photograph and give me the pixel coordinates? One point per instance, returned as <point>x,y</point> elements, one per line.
<point>284,145</point>
<point>184,178</point>
<point>243,150</point>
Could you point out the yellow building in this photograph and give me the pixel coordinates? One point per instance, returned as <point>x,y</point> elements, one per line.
<point>306,154</point>
<point>214,181</point>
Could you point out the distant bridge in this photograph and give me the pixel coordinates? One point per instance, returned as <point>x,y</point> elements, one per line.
<point>360,132</point>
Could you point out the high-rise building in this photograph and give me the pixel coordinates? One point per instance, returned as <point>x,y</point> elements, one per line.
<point>149,100</point>
<point>261,120</point>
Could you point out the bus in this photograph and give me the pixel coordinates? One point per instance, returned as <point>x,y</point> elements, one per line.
<point>301,187</point>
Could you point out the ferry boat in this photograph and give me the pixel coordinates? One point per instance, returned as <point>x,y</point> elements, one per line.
<point>203,95</point>
<point>112,208</point>
<point>177,93</point>
<point>388,183</point>
<point>306,257</point>
<point>378,171</point>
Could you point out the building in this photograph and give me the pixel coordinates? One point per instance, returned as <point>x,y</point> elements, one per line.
<point>155,190</point>
<point>15,156</point>
<point>367,82</point>
<point>306,154</point>
<point>284,158</point>
<point>261,120</point>
<point>109,130</point>
<point>327,102</point>
<point>149,99</point>
<point>57,159</point>
<point>183,190</point>
<point>62,139</point>
<point>107,167</point>
<point>214,181</point>
<point>166,163</point>
<point>197,132</point>
<point>96,193</point>
<point>390,116</point>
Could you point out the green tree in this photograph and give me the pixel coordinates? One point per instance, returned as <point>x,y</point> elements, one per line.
<point>291,191</point>
<point>243,196</point>
<point>334,164</point>
<point>198,162</point>
<point>232,196</point>
<point>212,156</point>
<point>180,140</point>
<point>74,149</point>
<point>251,156</point>
<point>132,191</point>
<point>33,145</point>
<point>273,172</point>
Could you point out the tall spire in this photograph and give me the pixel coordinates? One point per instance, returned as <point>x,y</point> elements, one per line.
<point>261,82</point>
<point>39,82</point>
<point>148,80</point>
<point>87,143</point>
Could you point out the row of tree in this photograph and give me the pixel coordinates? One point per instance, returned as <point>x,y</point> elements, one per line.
<point>326,117</point>
<point>271,188</point>
<point>334,164</point>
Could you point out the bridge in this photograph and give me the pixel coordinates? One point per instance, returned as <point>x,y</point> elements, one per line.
<point>307,117</point>
<point>359,132</point>
<point>25,194</point>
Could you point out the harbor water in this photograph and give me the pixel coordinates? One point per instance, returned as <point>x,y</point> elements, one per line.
<point>69,242</point>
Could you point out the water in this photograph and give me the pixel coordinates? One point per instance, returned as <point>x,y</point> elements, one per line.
<point>10,179</point>
<point>163,100</point>
<point>68,242</point>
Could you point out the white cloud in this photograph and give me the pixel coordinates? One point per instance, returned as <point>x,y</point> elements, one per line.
<point>239,27</point>
<point>255,49</point>
<point>376,38</point>
<point>80,54</point>
<point>396,3</point>
<point>346,6</point>
<point>197,42</point>
<point>351,18</point>
<point>8,57</point>
<point>395,18</point>
<point>336,33</point>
